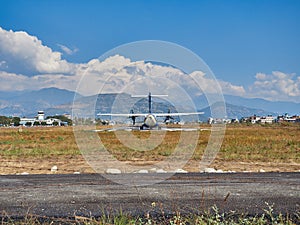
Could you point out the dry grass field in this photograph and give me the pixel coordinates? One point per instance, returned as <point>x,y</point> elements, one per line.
<point>245,148</point>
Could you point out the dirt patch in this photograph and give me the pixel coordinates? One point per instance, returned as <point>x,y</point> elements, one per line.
<point>72,164</point>
<point>65,165</point>
<point>247,166</point>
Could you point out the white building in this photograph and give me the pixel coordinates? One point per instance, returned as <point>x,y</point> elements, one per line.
<point>27,121</point>
<point>41,115</point>
<point>267,119</point>
<point>53,121</point>
<point>40,120</point>
<point>254,119</point>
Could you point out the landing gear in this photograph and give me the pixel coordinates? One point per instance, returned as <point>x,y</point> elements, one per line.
<point>144,127</point>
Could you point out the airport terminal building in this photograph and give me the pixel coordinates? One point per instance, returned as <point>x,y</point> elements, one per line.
<point>40,120</point>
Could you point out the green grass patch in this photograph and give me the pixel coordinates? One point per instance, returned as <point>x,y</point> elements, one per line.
<point>37,142</point>
<point>272,143</point>
<point>211,217</point>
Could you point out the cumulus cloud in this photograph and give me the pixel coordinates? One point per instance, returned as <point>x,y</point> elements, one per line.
<point>27,64</point>
<point>118,74</point>
<point>13,82</point>
<point>231,89</point>
<point>67,50</point>
<point>19,82</point>
<point>277,86</point>
<point>25,54</point>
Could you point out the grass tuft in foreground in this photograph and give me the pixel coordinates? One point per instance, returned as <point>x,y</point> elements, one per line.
<point>210,217</point>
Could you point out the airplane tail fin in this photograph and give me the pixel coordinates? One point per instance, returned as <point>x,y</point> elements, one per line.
<point>149,99</point>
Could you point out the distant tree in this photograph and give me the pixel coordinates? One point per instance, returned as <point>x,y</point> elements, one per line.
<point>55,123</point>
<point>4,121</point>
<point>101,122</point>
<point>28,124</point>
<point>43,123</point>
<point>88,121</point>
<point>16,121</point>
<point>36,123</point>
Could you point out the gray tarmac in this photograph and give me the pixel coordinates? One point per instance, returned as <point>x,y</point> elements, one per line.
<point>93,194</point>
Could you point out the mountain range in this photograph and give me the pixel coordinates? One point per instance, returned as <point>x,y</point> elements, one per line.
<point>58,101</point>
<point>27,103</point>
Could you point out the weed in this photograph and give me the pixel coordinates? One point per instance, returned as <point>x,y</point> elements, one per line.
<point>209,217</point>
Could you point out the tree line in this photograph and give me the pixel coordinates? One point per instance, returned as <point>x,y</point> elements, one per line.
<point>9,121</point>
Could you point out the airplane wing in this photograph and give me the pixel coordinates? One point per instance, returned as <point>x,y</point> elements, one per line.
<point>112,129</point>
<point>132,128</point>
<point>179,129</point>
<point>145,114</point>
<point>123,114</point>
<point>176,114</point>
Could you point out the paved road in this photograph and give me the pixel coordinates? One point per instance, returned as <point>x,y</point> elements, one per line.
<point>92,194</point>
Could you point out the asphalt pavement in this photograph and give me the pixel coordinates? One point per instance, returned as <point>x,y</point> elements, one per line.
<point>93,194</point>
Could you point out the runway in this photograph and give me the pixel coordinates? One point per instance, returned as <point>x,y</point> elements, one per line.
<point>92,194</point>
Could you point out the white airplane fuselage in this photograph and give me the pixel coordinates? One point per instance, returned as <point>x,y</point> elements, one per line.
<point>150,121</point>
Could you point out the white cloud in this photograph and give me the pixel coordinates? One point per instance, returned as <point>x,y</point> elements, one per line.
<point>260,76</point>
<point>117,74</point>
<point>277,86</point>
<point>95,72</point>
<point>67,50</point>
<point>231,89</point>
<point>28,64</point>
<point>13,82</point>
<point>3,64</point>
<point>25,63</point>
<point>26,54</point>
<point>18,82</point>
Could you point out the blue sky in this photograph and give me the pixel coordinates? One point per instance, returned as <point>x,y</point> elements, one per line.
<point>237,39</point>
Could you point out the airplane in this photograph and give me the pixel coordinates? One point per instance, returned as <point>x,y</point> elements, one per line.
<point>150,119</point>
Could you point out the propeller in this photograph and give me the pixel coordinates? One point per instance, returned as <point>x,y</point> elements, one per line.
<point>168,117</point>
<point>132,117</point>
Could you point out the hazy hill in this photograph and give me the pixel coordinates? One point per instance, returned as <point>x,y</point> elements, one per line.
<point>278,107</point>
<point>49,96</point>
<point>57,101</point>
<point>274,107</point>
<point>233,111</point>
<point>28,103</point>
<point>105,103</point>
<point>118,103</point>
